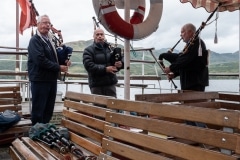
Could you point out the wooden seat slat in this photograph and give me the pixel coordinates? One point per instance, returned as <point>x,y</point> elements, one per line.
<point>177,130</point>
<point>85,143</point>
<point>14,154</point>
<point>106,157</point>
<point>86,108</point>
<point>183,112</point>
<point>83,129</point>
<point>26,152</point>
<point>229,97</point>
<point>157,144</point>
<point>129,151</point>
<point>98,99</point>
<point>88,120</point>
<point>9,88</point>
<point>35,148</point>
<point>12,108</point>
<point>169,97</point>
<point>16,130</point>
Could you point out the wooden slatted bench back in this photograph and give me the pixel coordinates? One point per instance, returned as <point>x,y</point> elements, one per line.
<point>84,117</point>
<point>201,99</point>
<point>177,97</point>
<point>10,99</point>
<point>167,139</point>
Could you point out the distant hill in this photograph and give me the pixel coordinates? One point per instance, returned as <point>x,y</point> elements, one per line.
<point>219,63</point>
<point>215,58</point>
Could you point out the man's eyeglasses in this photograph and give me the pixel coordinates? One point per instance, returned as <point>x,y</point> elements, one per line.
<point>46,23</point>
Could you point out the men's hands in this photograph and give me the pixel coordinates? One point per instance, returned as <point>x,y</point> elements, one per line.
<point>167,70</point>
<point>118,64</point>
<point>68,63</point>
<point>63,68</point>
<point>170,74</point>
<point>111,69</point>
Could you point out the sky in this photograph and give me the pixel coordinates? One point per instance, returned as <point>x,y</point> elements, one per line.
<point>74,19</point>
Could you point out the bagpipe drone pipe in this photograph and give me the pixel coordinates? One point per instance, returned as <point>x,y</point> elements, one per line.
<point>57,139</point>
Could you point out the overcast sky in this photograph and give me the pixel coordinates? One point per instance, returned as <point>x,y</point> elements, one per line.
<point>74,19</point>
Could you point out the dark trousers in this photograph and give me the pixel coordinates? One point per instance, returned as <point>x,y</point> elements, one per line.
<point>105,90</point>
<point>43,101</point>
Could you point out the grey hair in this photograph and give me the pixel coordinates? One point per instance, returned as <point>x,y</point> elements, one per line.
<point>41,17</point>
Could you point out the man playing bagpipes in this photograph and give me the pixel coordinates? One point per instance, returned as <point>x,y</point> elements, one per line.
<point>44,67</point>
<point>191,64</point>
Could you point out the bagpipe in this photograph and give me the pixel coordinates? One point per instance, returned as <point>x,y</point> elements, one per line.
<point>57,139</point>
<point>115,53</point>
<point>63,52</point>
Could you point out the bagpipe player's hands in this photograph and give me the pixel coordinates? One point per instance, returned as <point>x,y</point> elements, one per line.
<point>167,70</point>
<point>170,76</point>
<point>68,63</point>
<point>118,64</point>
<point>63,68</point>
<point>111,69</point>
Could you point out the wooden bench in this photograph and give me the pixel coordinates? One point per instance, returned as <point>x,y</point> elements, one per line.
<point>10,99</point>
<point>167,139</point>
<point>110,135</point>
<point>84,117</point>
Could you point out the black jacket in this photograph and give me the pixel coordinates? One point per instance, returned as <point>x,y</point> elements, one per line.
<point>191,67</point>
<point>96,58</point>
<point>42,62</point>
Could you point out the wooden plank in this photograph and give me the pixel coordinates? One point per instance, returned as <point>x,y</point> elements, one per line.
<point>55,152</point>
<point>170,97</point>
<point>36,149</point>
<point>134,139</point>
<point>16,130</point>
<point>129,151</point>
<point>10,95</point>
<point>227,118</point>
<point>196,134</point>
<point>229,97</point>
<point>86,108</point>
<point>90,98</point>
<point>212,104</point>
<point>232,106</point>
<point>15,108</point>
<point>14,154</point>
<point>23,122</point>
<point>106,157</point>
<point>85,143</point>
<point>9,88</point>
<point>86,119</point>
<point>24,150</point>
<point>83,130</point>
<point>11,100</point>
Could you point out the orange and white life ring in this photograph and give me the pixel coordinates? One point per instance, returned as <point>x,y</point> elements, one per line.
<point>110,19</point>
<point>139,9</point>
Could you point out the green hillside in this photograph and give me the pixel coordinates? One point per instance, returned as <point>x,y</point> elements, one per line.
<point>219,63</point>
